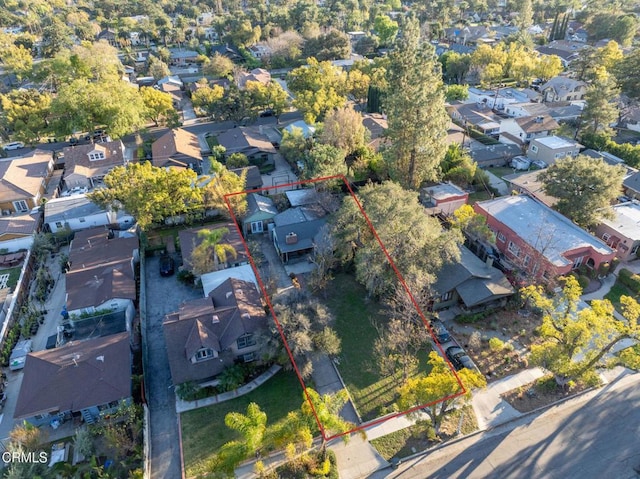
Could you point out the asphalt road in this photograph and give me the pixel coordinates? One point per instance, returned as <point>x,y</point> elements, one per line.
<point>164,295</point>
<point>592,436</point>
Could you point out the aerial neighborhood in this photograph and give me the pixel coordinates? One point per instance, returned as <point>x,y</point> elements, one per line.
<point>309,239</point>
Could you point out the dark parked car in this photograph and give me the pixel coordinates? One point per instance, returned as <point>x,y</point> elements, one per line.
<point>459,358</point>
<point>268,112</point>
<point>442,335</point>
<point>166,265</point>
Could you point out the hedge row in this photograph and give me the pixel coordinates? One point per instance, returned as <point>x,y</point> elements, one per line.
<point>630,280</point>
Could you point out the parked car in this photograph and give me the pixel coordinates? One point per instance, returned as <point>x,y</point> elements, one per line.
<point>442,335</point>
<point>19,354</point>
<point>97,134</point>
<point>167,265</point>
<point>539,163</point>
<point>14,145</point>
<point>459,358</point>
<point>268,112</point>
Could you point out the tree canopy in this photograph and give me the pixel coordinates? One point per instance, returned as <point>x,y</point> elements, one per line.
<point>415,107</point>
<point>585,187</point>
<point>576,341</point>
<point>416,242</point>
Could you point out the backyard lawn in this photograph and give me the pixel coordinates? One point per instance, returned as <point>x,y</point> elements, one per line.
<point>371,393</point>
<point>204,431</point>
<point>616,291</point>
<point>501,171</point>
<point>14,275</point>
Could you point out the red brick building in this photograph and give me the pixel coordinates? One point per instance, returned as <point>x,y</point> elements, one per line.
<point>540,241</point>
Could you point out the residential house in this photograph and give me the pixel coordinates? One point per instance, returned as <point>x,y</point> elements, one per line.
<point>260,51</point>
<point>631,186</point>
<point>174,87</point>
<point>566,50</point>
<point>468,35</point>
<point>108,36</point>
<point>564,111</point>
<point>476,115</point>
<point>563,88</point>
<point>552,148</point>
<point>230,52</point>
<point>376,124</point>
<point>259,75</point>
<point>527,183</point>
<point>206,336</point>
<point>190,239</point>
<point>78,213</point>
<point>295,231</point>
<point>474,284</point>
<point>253,180</point>
<point>622,232</point>
<point>80,380</point>
<point>528,108</point>
<point>211,281</point>
<point>489,156</point>
<point>520,131</point>
<point>17,232</point>
<point>177,148</point>
<point>499,98</point>
<point>610,159</point>
<point>307,130</point>
<point>87,165</point>
<point>260,213</point>
<point>541,242</point>
<point>23,181</point>
<point>101,275</point>
<point>251,142</point>
<point>181,57</point>
<point>443,198</point>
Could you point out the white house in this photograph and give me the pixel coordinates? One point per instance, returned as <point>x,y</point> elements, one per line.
<point>78,213</point>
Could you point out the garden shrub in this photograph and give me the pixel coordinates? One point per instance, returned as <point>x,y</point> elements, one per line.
<point>475,340</point>
<point>496,344</point>
<point>630,280</point>
<point>583,281</point>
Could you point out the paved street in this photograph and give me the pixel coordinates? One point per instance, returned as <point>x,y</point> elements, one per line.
<point>592,436</point>
<point>163,296</point>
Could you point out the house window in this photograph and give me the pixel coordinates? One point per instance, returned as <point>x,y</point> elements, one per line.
<point>20,205</point>
<point>96,155</point>
<point>501,237</point>
<point>577,262</point>
<point>245,341</point>
<point>58,224</point>
<point>606,236</point>
<point>546,275</point>
<point>527,260</point>
<point>446,296</point>
<point>81,220</point>
<point>534,148</point>
<point>247,358</point>
<point>204,354</point>
<point>528,136</point>
<point>513,249</point>
<point>257,227</point>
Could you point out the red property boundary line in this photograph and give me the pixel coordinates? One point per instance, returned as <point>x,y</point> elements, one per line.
<point>279,327</point>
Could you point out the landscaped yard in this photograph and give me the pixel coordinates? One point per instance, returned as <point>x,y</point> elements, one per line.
<point>480,195</point>
<point>204,431</point>
<point>14,275</point>
<point>371,393</point>
<point>501,171</point>
<point>616,291</point>
<point>421,436</point>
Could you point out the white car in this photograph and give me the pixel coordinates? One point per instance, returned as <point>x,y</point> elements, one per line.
<point>76,190</point>
<point>14,145</point>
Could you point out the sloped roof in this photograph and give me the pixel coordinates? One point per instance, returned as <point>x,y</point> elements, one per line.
<point>18,225</point>
<point>474,280</point>
<point>536,124</point>
<point>75,376</point>
<point>305,232</point>
<point>245,140</point>
<point>256,202</point>
<point>529,183</point>
<point>76,158</point>
<point>231,310</point>
<point>77,206</point>
<point>175,148</point>
<point>254,178</point>
<point>22,177</point>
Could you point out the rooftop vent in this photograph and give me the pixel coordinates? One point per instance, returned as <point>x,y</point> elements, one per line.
<point>215,318</point>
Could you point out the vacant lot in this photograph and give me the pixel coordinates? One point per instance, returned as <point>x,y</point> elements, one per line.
<point>355,316</point>
<point>204,431</point>
<point>540,393</point>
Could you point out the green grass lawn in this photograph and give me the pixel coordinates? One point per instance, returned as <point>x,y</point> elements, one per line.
<point>501,171</point>
<point>354,314</point>
<point>14,275</point>
<point>479,195</point>
<point>618,290</point>
<point>204,431</point>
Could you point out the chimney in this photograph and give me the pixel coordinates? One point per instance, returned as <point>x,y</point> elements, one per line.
<point>291,238</point>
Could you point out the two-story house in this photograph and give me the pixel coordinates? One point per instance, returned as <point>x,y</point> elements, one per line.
<point>87,165</point>
<point>476,115</point>
<point>541,242</point>
<point>552,148</point>
<point>23,181</point>
<point>520,131</point>
<point>562,88</point>
<point>622,232</point>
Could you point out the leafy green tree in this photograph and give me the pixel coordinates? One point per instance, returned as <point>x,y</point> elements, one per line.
<point>455,66</point>
<point>548,66</point>
<point>600,110</point>
<point>334,45</point>
<point>458,166</point>
<point>489,62</point>
<point>585,188</point>
<point>149,193</point>
<point>25,112</point>
<point>415,108</point>
<point>358,84</point>
<point>575,342</point>
<point>318,88</point>
<point>327,409</point>
<point>457,92</point>
<point>267,97</point>
<point>396,215</point>
<point>472,224</point>
<point>343,129</point>
<point>206,98</point>
<point>324,160</point>
<point>621,28</point>
<point>218,66</point>
<point>237,160</point>
<point>17,60</point>
<point>55,37</point>
<point>252,427</point>
<point>159,107</point>
<point>439,383</point>
<point>294,146</point>
<point>627,73</point>
<point>385,28</point>
<point>220,183</point>
<point>211,252</point>
<point>157,68</point>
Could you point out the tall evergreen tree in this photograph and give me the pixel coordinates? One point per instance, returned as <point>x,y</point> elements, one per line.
<point>414,105</point>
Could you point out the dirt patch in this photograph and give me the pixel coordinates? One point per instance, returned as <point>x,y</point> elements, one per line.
<point>517,325</point>
<point>494,364</point>
<point>540,393</point>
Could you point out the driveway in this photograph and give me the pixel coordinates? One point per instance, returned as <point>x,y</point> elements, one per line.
<point>164,295</point>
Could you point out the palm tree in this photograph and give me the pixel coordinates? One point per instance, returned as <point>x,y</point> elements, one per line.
<point>211,252</point>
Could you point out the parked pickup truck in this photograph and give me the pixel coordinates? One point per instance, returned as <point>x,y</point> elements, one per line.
<point>19,354</point>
